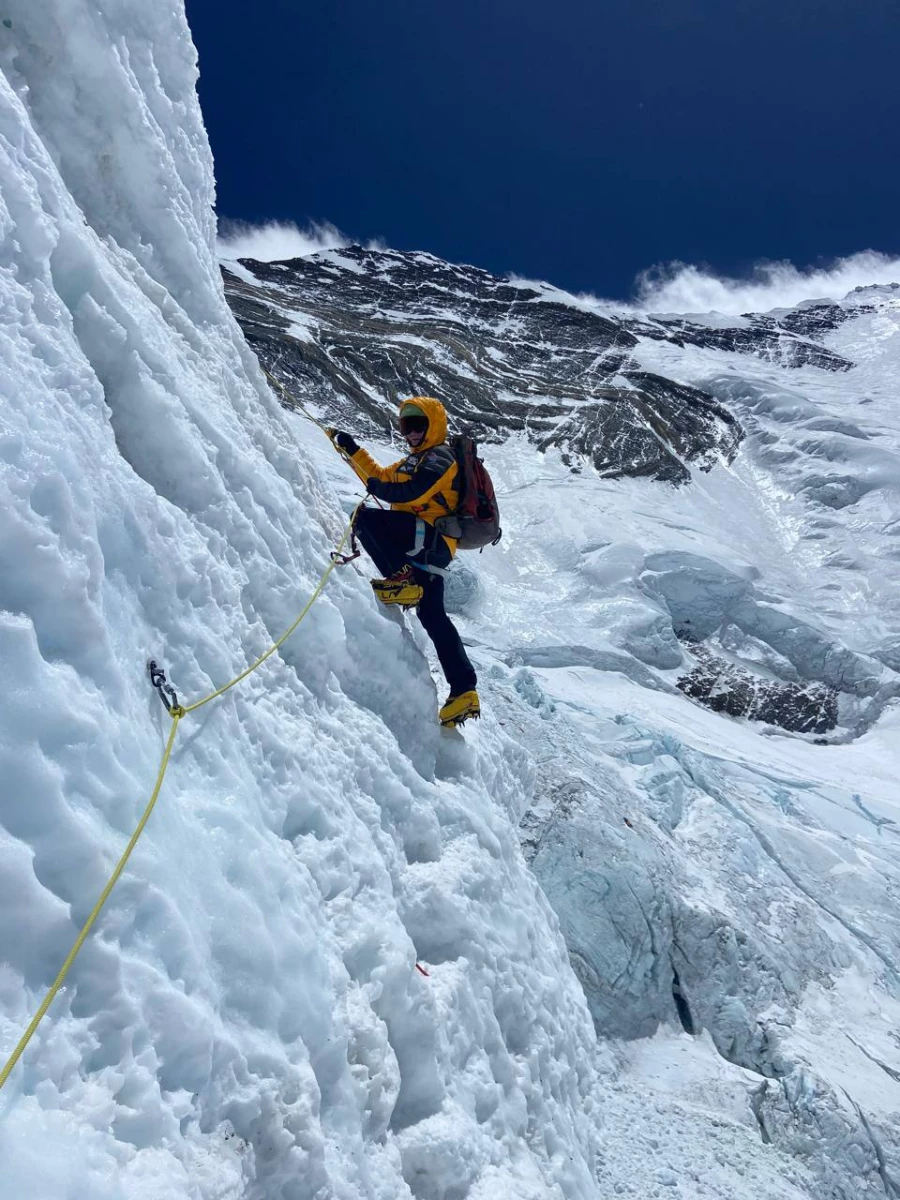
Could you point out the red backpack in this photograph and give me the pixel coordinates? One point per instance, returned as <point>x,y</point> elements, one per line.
<point>476,520</point>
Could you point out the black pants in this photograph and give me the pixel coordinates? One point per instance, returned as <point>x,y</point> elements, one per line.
<point>390,540</point>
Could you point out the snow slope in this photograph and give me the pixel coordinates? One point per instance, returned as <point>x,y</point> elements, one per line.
<point>709,873</point>
<point>727,892</point>
<point>247,1020</point>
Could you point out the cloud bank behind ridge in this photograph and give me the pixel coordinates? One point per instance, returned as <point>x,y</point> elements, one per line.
<point>681,288</point>
<point>277,240</point>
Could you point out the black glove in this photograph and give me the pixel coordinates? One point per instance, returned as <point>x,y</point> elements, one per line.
<point>372,485</point>
<point>344,441</point>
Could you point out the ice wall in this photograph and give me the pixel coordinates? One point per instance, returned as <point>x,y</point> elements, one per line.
<point>247,1019</point>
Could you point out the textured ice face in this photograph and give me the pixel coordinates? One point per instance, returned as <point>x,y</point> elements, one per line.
<point>247,1020</point>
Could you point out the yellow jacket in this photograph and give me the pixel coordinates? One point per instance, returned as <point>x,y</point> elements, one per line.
<point>423,483</point>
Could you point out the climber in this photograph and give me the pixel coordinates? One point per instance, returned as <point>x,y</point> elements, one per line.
<point>405,546</point>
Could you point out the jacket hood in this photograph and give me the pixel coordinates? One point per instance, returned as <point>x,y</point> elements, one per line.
<point>437,420</point>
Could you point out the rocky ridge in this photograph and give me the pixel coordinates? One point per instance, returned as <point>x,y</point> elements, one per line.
<point>358,329</point>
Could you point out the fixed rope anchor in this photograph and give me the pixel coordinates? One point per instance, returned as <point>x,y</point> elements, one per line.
<point>341,560</point>
<point>166,692</point>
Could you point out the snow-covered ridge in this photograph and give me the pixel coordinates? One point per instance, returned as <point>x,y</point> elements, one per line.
<point>247,1020</point>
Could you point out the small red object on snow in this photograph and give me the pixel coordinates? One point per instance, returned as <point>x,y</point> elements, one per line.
<point>422,971</point>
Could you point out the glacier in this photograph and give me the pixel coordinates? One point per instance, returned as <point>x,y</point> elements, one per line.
<point>660,942</point>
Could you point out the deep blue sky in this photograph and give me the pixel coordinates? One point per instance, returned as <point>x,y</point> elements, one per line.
<point>579,141</point>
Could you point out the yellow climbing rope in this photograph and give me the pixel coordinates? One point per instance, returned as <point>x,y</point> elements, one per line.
<point>297,406</point>
<point>287,633</point>
<point>95,912</point>
<point>176,712</point>
<point>294,402</point>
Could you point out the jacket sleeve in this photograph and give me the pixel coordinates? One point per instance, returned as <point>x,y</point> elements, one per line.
<point>367,468</point>
<point>431,471</point>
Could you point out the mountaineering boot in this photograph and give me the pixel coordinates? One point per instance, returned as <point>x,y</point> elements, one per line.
<point>459,708</point>
<point>399,588</point>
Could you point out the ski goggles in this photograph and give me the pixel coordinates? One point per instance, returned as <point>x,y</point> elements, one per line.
<point>412,420</point>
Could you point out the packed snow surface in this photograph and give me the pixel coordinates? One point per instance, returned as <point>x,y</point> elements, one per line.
<point>247,1019</point>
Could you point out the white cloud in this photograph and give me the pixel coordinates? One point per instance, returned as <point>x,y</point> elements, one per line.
<point>277,240</point>
<point>680,288</point>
